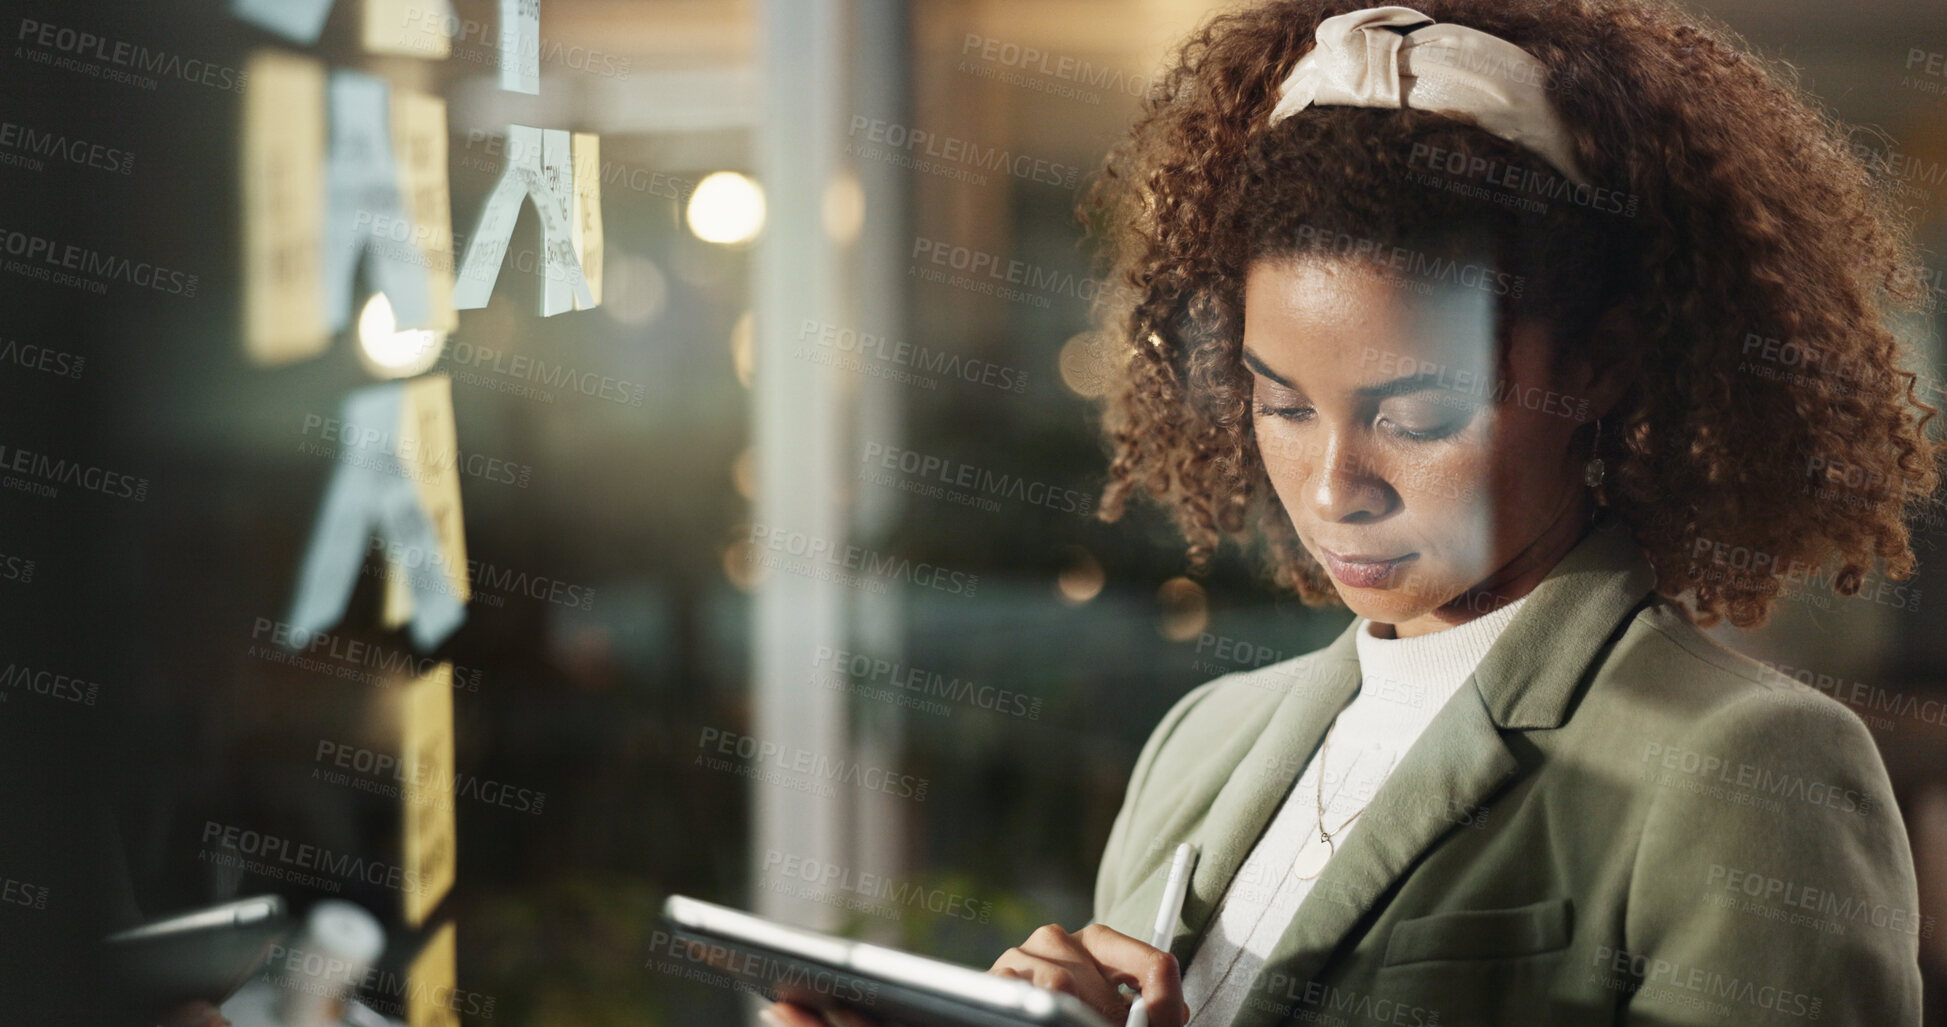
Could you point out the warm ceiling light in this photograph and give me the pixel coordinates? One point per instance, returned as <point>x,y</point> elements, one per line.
<point>389,352</point>
<point>726,208</point>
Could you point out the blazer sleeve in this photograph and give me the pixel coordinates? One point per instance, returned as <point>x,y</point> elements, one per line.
<point>1109,874</point>
<point>1773,882</point>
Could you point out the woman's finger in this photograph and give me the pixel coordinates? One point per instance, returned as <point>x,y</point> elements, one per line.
<point>787,1014</point>
<point>195,1014</point>
<point>1152,970</point>
<point>1052,958</point>
<point>784,1014</point>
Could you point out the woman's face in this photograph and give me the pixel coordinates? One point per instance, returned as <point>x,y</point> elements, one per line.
<point>1374,401</point>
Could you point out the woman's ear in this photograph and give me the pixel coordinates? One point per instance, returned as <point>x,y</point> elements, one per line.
<point>1607,365</point>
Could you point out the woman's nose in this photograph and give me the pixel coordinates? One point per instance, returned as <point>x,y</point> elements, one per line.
<point>1346,486</point>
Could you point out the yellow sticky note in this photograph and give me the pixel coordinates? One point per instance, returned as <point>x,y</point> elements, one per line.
<point>427,837</point>
<point>587,213</point>
<point>429,454</point>
<point>433,976</point>
<point>283,194</point>
<point>412,28</point>
<point>419,147</point>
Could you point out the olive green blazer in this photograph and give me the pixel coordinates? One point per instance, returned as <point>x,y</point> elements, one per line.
<point>1616,820</point>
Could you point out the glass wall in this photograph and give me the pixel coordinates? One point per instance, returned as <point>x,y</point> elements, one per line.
<point>500,464</point>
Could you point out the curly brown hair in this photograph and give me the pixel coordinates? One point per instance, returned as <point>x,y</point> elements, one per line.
<point>1756,259</point>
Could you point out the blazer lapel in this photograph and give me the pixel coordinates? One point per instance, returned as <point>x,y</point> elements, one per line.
<point>1527,680</point>
<point>1255,785</point>
<point>1456,766</point>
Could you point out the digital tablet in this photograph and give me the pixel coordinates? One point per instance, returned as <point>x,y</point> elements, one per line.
<point>204,954</point>
<point>825,972</point>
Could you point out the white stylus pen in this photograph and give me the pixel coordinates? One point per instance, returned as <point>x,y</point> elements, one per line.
<point>1168,912</point>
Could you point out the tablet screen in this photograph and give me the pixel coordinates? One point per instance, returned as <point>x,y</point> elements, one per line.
<point>822,971</point>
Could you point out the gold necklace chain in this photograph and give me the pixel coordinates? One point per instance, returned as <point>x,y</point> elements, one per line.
<point>1323,835</point>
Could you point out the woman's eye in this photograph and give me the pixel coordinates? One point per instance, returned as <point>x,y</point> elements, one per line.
<point>1414,434</point>
<point>1289,413</point>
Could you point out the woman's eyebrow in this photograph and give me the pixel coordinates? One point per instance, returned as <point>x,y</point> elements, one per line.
<point>1428,379</point>
<point>1252,361</point>
<point>1432,379</point>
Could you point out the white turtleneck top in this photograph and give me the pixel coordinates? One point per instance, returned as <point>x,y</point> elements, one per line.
<point>1403,682</point>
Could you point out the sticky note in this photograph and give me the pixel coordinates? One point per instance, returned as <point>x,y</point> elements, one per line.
<point>419,146</point>
<point>300,21</point>
<point>537,160</point>
<point>282,187</point>
<point>587,148</point>
<point>520,46</point>
<point>365,216</point>
<point>429,830</point>
<point>410,28</point>
<point>429,454</point>
<point>432,980</point>
<point>374,501</point>
<point>561,259</point>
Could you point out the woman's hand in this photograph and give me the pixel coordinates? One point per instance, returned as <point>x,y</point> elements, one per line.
<point>1091,962</point>
<point>1087,964</point>
<point>784,1014</point>
<point>195,1014</point>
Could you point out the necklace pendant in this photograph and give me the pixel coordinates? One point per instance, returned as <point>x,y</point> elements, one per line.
<point>1312,859</point>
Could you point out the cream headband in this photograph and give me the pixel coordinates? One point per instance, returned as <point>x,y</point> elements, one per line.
<point>1360,62</point>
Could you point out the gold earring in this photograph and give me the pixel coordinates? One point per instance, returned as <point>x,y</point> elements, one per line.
<point>1593,471</point>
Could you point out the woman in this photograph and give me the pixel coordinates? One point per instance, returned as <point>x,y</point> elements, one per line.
<point>1538,334</point>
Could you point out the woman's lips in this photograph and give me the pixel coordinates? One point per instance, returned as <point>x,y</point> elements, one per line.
<point>1362,571</point>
